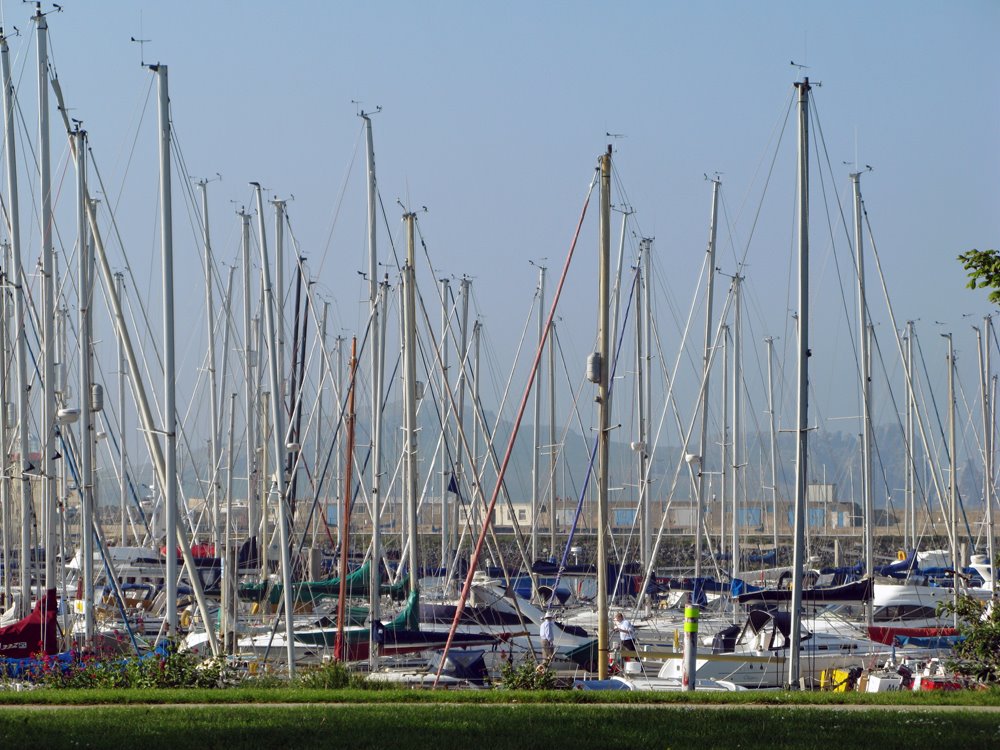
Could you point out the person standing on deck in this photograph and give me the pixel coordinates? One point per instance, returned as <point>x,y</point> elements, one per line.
<point>547,634</point>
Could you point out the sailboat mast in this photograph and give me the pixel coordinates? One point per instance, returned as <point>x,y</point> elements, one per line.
<point>645,366</point>
<point>988,439</point>
<point>324,374</point>
<point>737,420</point>
<point>474,458</point>
<point>47,448</point>
<point>250,406</point>
<point>705,377</point>
<point>911,467</point>
<point>772,429</point>
<point>410,398</point>
<point>864,363</point>
<point>462,381</point>
<point>375,372</point>
<point>8,579</point>
<point>340,652</point>
<point>169,383</point>
<point>279,436</point>
<point>122,447</point>
<point>279,306</point>
<point>802,385</point>
<point>536,427</point>
<point>14,278</point>
<point>953,472</point>
<point>213,385</point>
<point>640,405</point>
<point>446,465</point>
<point>604,344</point>
<point>725,463</point>
<point>553,449</point>
<point>86,479</point>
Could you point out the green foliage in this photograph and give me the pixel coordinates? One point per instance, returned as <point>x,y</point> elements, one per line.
<point>335,675</point>
<point>526,676</point>
<point>977,655</point>
<point>983,269</point>
<point>168,669</point>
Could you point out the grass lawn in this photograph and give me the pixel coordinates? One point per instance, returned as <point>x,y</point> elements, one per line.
<point>441,726</point>
<point>482,720</point>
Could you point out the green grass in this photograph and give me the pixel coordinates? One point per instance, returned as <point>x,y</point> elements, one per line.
<point>442,726</point>
<point>264,695</point>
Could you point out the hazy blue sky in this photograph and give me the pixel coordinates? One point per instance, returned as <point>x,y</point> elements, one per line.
<point>494,115</point>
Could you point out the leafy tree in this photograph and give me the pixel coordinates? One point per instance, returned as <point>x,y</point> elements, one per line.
<point>977,655</point>
<point>983,268</point>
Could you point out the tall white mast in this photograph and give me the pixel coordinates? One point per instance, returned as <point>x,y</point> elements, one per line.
<point>324,373</point>
<point>953,472</point>
<point>706,375</point>
<point>737,420</point>
<point>772,428</point>
<point>802,386</point>
<point>169,369</point>
<point>410,398</point>
<point>279,437</point>
<point>122,447</point>
<point>536,427</point>
<point>446,462</point>
<point>604,436</point>
<point>639,446</point>
<point>15,276</point>
<point>213,385</point>
<point>8,580</point>
<point>464,288</point>
<point>85,325</point>
<point>279,307</point>
<point>644,352</point>
<point>375,349</point>
<point>911,467</point>
<point>988,439</point>
<point>725,466</point>
<point>249,394</point>
<point>47,428</point>
<point>474,458</point>
<point>864,363</point>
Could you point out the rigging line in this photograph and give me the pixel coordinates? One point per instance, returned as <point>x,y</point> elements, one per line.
<point>507,387</point>
<point>935,409</point>
<point>899,348</point>
<point>392,244</point>
<point>113,210</point>
<point>686,439</point>
<point>518,534</point>
<point>342,402</point>
<point>340,203</point>
<point>855,344</point>
<point>783,120</point>
<point>149,333</point>
<point>519,538</point>
<point>474,560</point>
<point>958,490</point>
<point>588,474</point>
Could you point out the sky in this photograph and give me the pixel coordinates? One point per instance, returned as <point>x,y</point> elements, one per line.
<point>493,116</point>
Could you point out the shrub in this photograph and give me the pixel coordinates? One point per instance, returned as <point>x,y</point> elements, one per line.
<point>526,676</point>
<point>977,654</point>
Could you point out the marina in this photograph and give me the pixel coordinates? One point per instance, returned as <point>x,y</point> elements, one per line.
<point>651,464</point>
